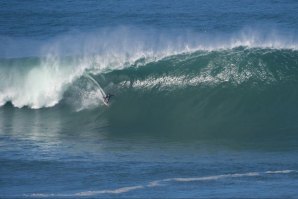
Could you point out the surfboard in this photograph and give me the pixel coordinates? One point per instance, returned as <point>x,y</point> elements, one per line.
<point>105,103</point>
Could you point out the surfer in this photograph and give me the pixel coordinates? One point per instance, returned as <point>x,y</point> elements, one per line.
<point>107,98</point>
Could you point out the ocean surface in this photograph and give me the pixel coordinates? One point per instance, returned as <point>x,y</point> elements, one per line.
<point>205,99</point>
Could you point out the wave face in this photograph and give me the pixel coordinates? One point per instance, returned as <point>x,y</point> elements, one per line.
<point>238,91</point>
<point>163,82</point>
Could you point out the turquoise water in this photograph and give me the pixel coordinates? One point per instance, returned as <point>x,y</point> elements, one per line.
<point>205,101</point>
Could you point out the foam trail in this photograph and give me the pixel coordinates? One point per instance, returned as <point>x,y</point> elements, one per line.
<point>280,172</point>
<point>217,177</point>
<point>114,191</point>
<point>162,182</point>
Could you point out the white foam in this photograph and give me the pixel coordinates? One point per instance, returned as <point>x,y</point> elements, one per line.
<point>280,172</point>
<point>217,177</point>
<point>155,183</point>
<point>112,191</point>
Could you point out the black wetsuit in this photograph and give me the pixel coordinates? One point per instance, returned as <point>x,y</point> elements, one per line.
<point>108,97</point>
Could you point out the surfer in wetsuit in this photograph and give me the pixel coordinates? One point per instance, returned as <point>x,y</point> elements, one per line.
<point>108,97</point>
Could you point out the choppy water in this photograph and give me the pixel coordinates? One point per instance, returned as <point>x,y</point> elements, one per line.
<point>205,105</point>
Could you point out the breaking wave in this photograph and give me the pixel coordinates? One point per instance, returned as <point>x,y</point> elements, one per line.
<point>245,82</point>
<point>37,74</point>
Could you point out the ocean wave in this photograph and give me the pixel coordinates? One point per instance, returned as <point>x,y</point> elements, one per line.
<point>42,81</point>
